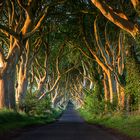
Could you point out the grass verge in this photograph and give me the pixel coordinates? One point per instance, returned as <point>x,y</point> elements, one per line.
<point>128,125</point>
<point>10,120</point>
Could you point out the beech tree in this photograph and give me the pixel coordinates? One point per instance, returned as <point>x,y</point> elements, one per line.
<point>65,49</point>
<point>18,27</point>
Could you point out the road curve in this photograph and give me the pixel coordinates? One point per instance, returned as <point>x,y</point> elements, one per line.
<point>69,127</point>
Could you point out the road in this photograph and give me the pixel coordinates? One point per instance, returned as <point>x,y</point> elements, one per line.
<point>69,127</point>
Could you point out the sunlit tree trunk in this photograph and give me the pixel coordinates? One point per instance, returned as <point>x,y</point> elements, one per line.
<point>84,72</point>
<point>7,78</point>
<point>91,84</point>
<point>7,91</point>
<point>122,93</point>
<point>118,94</point>
<point>41,84</point>
<point>121,96</point>
<point>3,97</point>
<point>54,97</point>
<point>22,75</point>
<point>110,83</point>
<point>22,84</point>
<point>106,91</point>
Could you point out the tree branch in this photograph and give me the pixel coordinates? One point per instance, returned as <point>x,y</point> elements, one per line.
<point>117,19</point>
<point>9,31</point>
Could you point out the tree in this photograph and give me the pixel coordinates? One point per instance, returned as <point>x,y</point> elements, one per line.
<point>18,27</point>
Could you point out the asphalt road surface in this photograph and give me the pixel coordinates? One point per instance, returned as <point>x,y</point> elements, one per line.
<point>69,127</point>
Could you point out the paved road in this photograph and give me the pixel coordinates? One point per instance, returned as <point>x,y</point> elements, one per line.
<point>69,127</point>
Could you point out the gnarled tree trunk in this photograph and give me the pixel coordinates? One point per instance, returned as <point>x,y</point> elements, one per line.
<point>7,79</point>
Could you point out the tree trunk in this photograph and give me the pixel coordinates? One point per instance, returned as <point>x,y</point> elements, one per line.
<point>118,94</point>
<point>7,89</point>
<point>106,92</point>
<point>110,83</point>
<point>128,103</point>
<point>2,94</point>
<point>21,89</point>
<point>122,93</point>
<point>7,78</point>
<point>41,84</point>
<point>54,97</point>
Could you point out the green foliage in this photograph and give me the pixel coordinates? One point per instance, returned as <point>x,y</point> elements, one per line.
<point>129,125</point>
<point>10,119</point>
<point>132,88</point>
<point>132,78</point>
<point>33,106</point>
<point>112,107</point>
<point>55,113</point>
<point>6,114</point>
<point>94,104</point>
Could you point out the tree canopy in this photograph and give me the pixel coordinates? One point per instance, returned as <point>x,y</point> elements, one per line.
<point>64,50</point>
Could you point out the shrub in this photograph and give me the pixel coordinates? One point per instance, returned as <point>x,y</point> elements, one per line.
<point>93,104</point>
<point>132,88</point>
<point>32,106</point>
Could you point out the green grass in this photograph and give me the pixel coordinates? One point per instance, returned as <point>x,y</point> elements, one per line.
<point>129,125</point>
<point>10,120</point>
